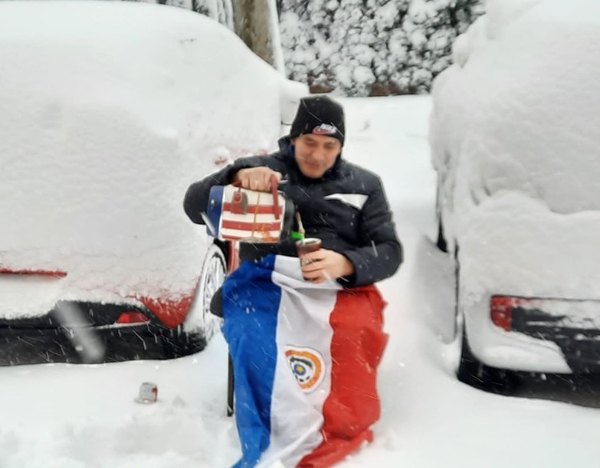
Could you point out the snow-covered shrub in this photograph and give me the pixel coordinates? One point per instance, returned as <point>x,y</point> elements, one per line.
<point>370,47</point>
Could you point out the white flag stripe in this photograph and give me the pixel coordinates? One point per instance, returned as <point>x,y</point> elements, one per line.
<point>254,198</point>
<point>303,322</point>
<point>243,234</point>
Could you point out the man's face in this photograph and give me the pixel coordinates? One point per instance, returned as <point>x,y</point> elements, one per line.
<point>315,154</point>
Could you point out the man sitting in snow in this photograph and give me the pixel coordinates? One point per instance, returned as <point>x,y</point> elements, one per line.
<point>328,410</point>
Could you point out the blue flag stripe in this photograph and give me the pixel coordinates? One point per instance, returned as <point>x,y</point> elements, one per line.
<point>251,318</point>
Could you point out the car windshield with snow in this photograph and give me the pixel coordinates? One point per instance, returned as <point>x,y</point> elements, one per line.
<point>516,147</point>
<point>110,111</point>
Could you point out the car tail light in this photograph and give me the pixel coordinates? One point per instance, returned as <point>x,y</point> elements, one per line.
<point>48,273</point>
<point>501,309</point>
<point>128,318</point>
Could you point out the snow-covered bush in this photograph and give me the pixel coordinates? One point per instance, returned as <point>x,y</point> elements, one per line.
<point>371,47</point>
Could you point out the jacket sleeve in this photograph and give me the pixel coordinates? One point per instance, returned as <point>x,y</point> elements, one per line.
<point>381,251</point>
<point>196,197</point>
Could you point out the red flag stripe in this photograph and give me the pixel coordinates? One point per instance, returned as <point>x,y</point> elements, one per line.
<point>260,209</point>
<point>353,403</point>
<point>251,227</point>
<point>265,239</point>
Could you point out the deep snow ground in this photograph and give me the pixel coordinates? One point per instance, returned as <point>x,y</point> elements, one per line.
<point>84,416</point>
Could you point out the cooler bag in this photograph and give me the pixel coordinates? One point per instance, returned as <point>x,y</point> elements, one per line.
<point>243,215</point>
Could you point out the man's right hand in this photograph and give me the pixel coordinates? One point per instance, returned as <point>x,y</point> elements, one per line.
<point>256,178</point>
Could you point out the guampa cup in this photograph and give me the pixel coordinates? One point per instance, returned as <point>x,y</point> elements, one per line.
<point>308,245</point>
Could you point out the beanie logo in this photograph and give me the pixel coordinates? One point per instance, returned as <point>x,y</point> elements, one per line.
<point>325,129</point>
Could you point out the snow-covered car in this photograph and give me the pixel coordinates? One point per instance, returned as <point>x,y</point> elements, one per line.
<point>109,111</point>
<point>515,143</point>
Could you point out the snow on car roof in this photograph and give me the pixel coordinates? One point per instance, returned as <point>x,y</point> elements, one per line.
<point>519,108</point>
<point>109,111</point>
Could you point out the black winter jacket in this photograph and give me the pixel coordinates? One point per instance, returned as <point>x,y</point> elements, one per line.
<point>346,209</point>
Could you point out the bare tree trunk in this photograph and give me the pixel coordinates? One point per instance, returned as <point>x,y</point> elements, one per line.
<point>255,21</point>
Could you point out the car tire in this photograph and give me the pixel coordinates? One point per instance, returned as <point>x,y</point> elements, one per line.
<point>476,374</point>
<point>214,270</point>
<point>441,242</point>
<point>200,325</point>
<point>178,342</point>
<point>470,370</point>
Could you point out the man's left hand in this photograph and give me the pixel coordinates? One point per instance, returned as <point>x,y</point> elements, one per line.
<point>324,265</point>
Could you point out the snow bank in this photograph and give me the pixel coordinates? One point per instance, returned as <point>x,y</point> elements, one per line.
<point>75,416</point>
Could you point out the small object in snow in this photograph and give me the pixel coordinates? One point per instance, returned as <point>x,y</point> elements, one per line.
<point>148,393</point>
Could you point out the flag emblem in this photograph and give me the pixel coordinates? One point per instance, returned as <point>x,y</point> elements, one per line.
<point>307,366</point>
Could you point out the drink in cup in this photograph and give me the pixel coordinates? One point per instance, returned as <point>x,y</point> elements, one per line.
<point>308,245</point>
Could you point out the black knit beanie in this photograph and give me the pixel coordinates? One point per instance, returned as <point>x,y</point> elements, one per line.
<point>319,115</point>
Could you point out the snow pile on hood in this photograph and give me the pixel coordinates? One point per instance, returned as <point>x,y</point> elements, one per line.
<point>109,111</point>
<point>518,113</point>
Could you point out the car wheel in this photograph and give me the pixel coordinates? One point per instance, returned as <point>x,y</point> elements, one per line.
<point>470,370</point>
<point>213,274</point>
<point>441,242</point>
<point>200,325</point>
